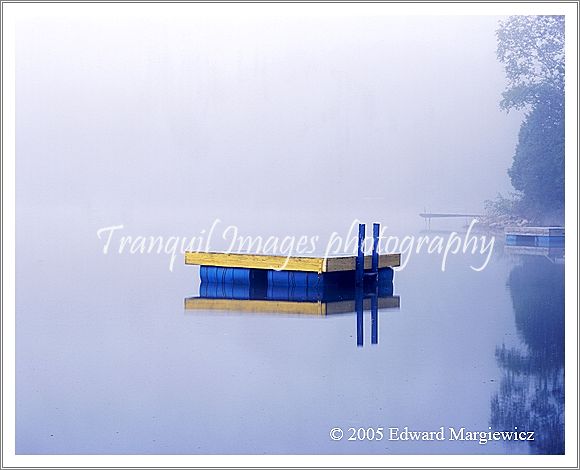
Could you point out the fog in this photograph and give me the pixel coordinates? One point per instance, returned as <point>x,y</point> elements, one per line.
<point>247,113</point>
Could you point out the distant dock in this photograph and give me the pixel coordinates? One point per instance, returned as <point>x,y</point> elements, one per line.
<point>446,215</point>
<point>534,236</point>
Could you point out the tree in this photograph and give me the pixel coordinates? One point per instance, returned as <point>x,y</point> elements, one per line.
<point>537,170</point>
<point>532,51</point>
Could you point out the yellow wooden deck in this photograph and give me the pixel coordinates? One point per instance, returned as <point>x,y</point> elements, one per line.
<point>276,306</point>
<point>303,263</point>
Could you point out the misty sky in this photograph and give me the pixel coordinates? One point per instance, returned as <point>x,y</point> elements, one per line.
<point>184,112</point>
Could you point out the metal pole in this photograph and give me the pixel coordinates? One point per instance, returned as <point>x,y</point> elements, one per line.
<point>375,265</point>
<point>375,295</point>
<point>360,258</point>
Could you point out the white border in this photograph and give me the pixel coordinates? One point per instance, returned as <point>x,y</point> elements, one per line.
<point>47,10</point>
<point>11,11</point>
<point>571,270</point>
<point>8,231</point>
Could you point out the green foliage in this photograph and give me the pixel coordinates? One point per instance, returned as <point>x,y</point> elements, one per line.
<point>502,205</point>
<point>538,165</point>
<point>532,50</point>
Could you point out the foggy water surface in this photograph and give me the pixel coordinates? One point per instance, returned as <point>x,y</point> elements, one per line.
<point>109,362</point>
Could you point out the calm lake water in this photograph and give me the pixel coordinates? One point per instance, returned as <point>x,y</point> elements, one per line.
<point>109,362</point>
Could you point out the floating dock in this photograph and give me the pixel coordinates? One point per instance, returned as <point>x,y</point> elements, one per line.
<point>313,271</point>
<point>314,286</point>
<point>313,264</point>
<point>260,291</point>
<point>318,286</point>
<point>535,236</point>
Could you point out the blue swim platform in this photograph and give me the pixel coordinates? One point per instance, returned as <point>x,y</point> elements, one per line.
<point>535,236</point>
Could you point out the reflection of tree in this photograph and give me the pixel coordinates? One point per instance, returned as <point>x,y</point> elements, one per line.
<point>531,394</point>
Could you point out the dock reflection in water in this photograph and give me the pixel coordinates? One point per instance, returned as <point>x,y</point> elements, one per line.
<point>554,254</point>
<point>320,299</point>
